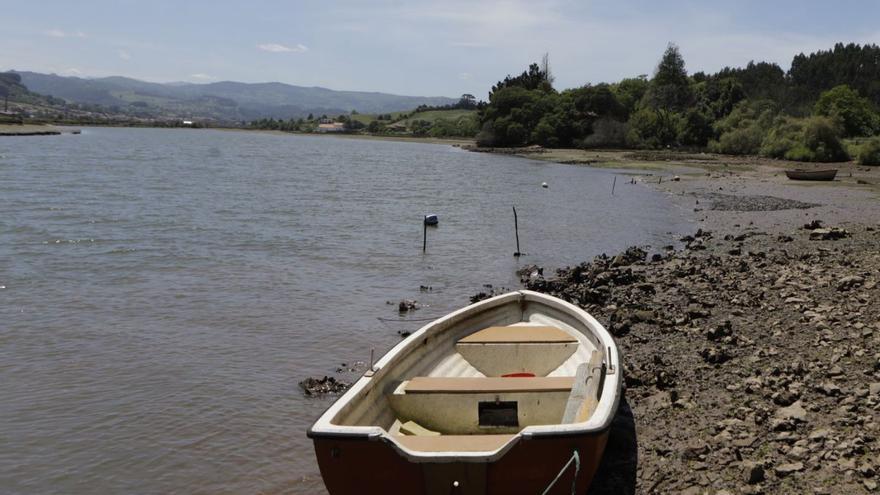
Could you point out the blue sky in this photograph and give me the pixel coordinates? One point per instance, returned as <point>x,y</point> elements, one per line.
<point>413,47</point>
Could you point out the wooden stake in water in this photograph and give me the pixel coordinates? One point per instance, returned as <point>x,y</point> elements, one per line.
<point>613,184</point>
<point>424,234</point>
<point>516,230</point>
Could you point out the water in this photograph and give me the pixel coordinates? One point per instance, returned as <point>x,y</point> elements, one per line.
<point>165,290</point>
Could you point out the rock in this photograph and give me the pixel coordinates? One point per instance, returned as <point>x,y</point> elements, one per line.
<point>715,355</point>
<point>693,450</point>
<point>719,332</point>
<point>784,470</point>
<point>830,389</point>
<point>407,305</point>
<point>849,282</point>
<point>828,234</point>
<point>874,388</point>
<point>798,453</point>
<point>793,413</point>
<point>820,434</point>
<point>322,386</point>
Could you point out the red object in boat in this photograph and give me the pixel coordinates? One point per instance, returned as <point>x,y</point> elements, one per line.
<point>519,375</point>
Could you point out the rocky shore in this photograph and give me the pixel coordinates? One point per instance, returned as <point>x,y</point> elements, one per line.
<point>752,360</point>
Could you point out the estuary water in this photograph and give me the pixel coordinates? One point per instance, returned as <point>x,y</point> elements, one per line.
<point>162,292</point>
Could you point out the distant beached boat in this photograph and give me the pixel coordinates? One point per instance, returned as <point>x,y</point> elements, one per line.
<point>801,174</point>
<point>513,394</point>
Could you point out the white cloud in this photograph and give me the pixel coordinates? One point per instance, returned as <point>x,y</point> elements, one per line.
<point>124,55</point>
<point>57,33</point>
<point>202,77</point>
<point>73,71</point>
<point>278,48</point>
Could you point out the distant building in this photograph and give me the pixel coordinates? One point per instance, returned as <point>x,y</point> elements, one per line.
<point>187,122</point>
<point>331,127</point>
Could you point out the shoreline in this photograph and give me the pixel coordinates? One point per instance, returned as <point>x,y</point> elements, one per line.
<point>750,354</point>
<point>36,130</point>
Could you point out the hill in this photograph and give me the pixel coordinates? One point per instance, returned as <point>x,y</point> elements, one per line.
<point>225,101</point>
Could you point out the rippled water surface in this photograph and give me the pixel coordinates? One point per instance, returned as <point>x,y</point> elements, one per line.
<point>163,291</point>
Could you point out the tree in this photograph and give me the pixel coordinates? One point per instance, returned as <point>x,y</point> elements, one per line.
<point>670,88</point>
<point>467,101</point>
<point>545,68</point>
<point>853,113</point>
<point>533,78</point>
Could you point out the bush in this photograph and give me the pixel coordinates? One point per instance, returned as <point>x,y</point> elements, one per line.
<point>822,139</point>
<point>814,139</point>
<point>869,154</point>
<point>696,128</point>
<point>855,114</point>
<point>607,133</point>
<point>785,135</point>
<point>486,136</point>
<point>742,132</point>
<point>745,141</point>
<point>654,128</point>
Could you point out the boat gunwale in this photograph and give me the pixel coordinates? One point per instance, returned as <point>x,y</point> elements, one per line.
<point>599,422</point>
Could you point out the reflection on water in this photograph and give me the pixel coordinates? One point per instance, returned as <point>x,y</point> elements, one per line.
<point>165,290</point>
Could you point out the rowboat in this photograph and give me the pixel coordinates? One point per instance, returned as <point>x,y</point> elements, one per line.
<point>801,174</point>
<point>513,394</point>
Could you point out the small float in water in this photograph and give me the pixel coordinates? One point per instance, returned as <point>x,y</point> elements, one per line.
<point>513,394</point>
<point>802,174</point>
<point>431,219</point>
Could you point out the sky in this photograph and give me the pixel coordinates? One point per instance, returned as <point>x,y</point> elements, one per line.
<point>443,48</point>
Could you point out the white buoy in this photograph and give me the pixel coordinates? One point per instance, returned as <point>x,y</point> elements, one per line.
<point>544,185</point>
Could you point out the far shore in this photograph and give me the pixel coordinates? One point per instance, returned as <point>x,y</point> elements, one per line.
<point>35,130</point>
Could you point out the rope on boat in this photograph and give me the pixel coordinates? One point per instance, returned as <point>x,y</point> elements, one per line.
<point>577,468</point>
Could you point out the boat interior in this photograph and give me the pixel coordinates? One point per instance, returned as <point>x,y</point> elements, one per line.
<point>471,381</point>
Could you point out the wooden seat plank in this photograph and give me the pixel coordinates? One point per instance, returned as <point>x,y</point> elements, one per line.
<point>454,443</point>
<point>519,334</point>
<point>424,384</point>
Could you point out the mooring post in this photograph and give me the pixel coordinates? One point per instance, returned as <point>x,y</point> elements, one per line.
<point>516,230</point>
<point>613,184</point>
<point>424,233</point>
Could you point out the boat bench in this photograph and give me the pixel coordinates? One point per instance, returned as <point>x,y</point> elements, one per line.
<point>455,443</point>
<point>480,405</point>
<point>497,351</point>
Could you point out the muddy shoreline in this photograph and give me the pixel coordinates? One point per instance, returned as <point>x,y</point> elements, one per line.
<point>752,353</point>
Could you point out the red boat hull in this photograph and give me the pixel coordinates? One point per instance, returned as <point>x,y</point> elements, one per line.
<point>361,466</point>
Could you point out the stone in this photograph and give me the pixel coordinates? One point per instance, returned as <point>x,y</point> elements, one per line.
<point>784,470</point>
<point>794,412</point>
<point>847,283</point>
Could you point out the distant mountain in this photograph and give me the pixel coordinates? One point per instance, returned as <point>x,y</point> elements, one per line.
<point>221,101</point>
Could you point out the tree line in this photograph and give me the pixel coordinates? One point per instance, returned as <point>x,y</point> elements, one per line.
<point>824,108</point>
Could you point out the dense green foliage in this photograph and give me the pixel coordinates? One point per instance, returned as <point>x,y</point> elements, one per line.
<point>757,109</point>
<point>869,154</point>
<point>852,113</point>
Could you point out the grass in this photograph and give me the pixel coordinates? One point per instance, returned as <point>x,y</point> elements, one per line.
<point>434,115</point>
<point>366,118</point>
<point>430,116</point>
